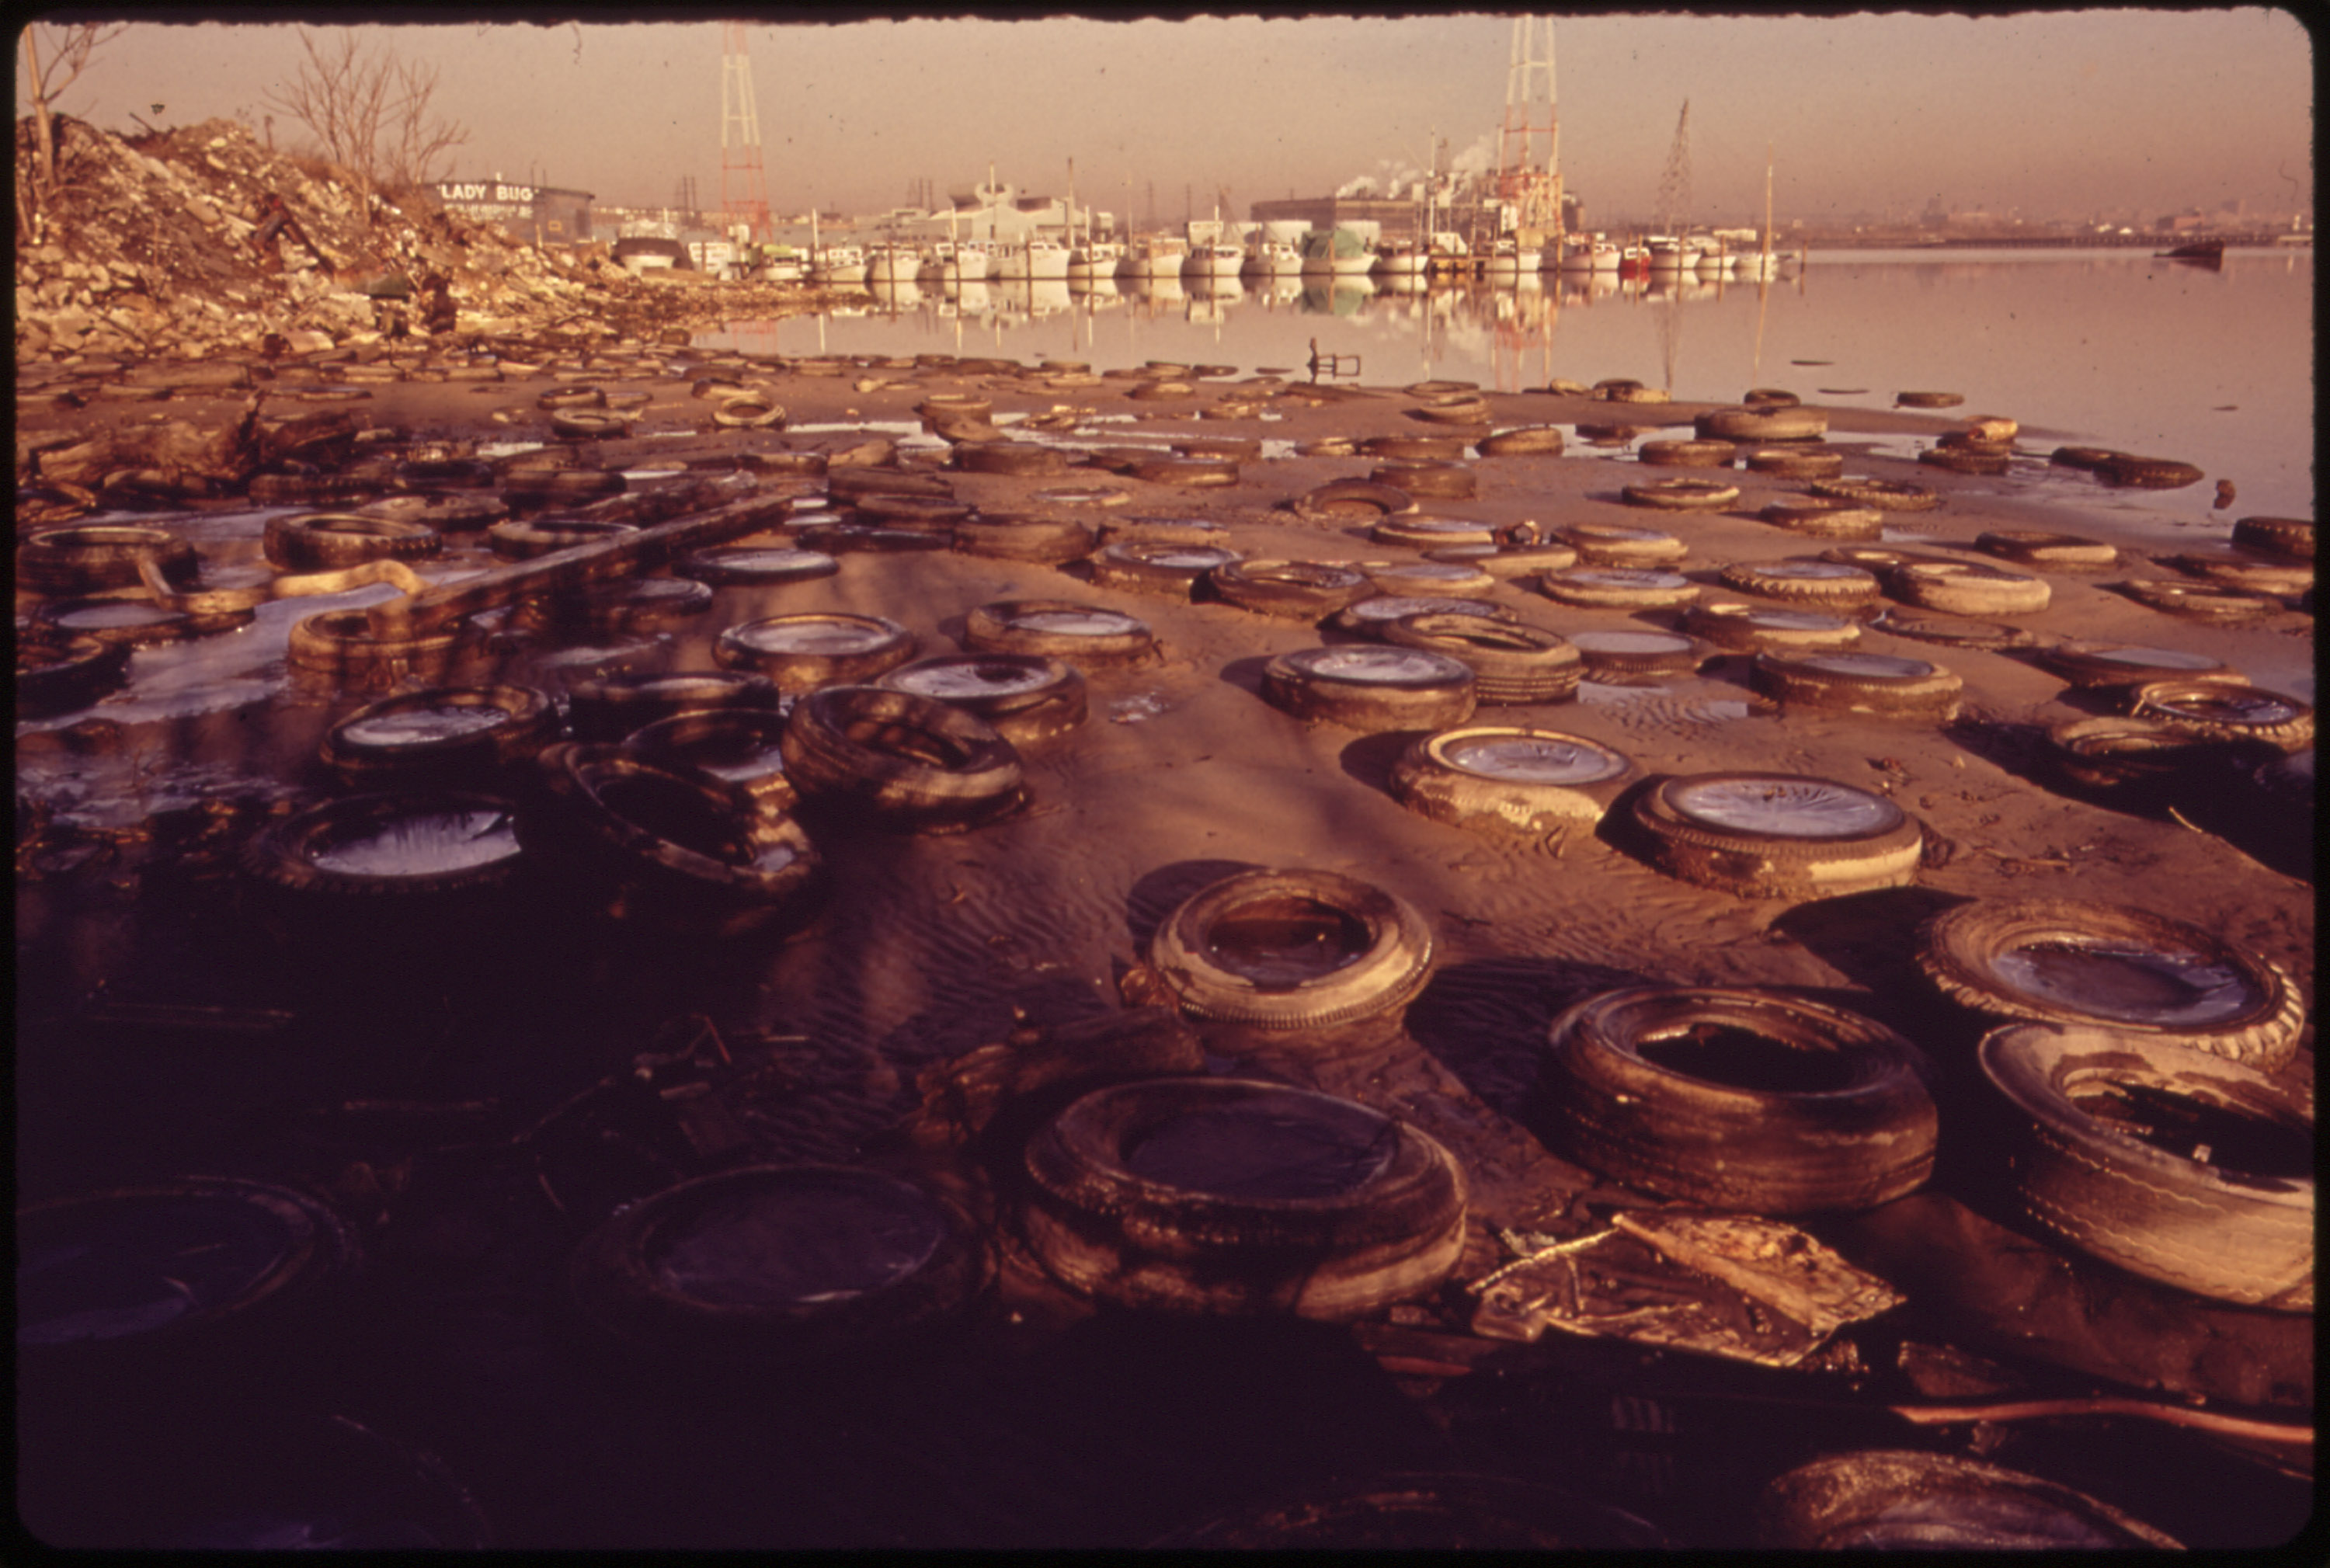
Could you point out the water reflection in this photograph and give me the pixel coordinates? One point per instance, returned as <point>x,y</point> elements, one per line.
<point>2104,347</point>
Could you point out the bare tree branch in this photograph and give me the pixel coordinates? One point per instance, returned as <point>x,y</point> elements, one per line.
<point>69,48</point>
<point>369,112</point>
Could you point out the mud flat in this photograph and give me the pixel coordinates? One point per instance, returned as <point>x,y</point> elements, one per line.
<point>133,812</point>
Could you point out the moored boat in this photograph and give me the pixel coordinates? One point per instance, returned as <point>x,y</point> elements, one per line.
<point>1271,258</point>
<point>1155,256</point>
<point>890,262</point>
<point>1213,260</point>
<point>839,266</point>
<point>1339,252</point>
<point>1398,258</point>
<point>1038,261</point>
<point>1095,261</point>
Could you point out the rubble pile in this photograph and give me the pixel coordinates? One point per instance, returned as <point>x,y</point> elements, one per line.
<point>144,251</point>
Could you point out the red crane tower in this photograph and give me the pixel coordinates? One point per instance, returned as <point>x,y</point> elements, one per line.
<point>744,195</point>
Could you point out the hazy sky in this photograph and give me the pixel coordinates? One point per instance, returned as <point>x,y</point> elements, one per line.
<point>2055,112</point>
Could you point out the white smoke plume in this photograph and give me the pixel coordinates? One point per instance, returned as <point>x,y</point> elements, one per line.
<point>1392,179</point>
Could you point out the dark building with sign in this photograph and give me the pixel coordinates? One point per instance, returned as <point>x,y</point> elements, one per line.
<point>543,214</point>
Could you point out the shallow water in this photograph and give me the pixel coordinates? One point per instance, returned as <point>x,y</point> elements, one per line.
<point>798,1242</point>
<point>2134,985</point>
<point>969,680</point>
<point>425,726</point>
<point>423,844</point>
<point>132,1267</point>
<point>2113,348</point>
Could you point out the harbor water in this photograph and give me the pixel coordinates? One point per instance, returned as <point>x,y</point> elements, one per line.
<point>2111,348</point>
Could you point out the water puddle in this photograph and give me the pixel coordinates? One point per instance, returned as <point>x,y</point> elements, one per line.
<point>423,844</point>
<point>134,1266</point>
<point>1785,808</point>
<point>1534,760</point>
<point>1136,710</point>
<point>1266,1148</point>
<point>1384,667</point>
<point>967,679</point>
<point>2131,985</point>
<point>799,1243</point>
<point>1077,622</point>
<point>425,726</point>
<point>813,636</point>
<point>1287,942</point>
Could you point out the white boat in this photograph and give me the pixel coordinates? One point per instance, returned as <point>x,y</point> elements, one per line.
<point>1397,259</point>
<point>936,264</point>
<point>1589,253</point>
<point>839,266</point>
<point>890,262</point>
<point>1507,258</point>
<point>974,261</point>
<point>1037,259</point>
<point>1154,256</point>
<point>1335,253</point>
<point>1213,260</point>
<point>1270,257</point>
<point>1448,255</point>
<point>1095,261</point>
<point>1755,265</point>
<point>1668,253</point>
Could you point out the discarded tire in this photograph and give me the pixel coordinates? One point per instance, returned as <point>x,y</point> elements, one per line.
<point>1950,630</point>
<point>341,642</point>
<point>816,647</point>
<point>613,606</point>
<point>2037,547</point>
<point>668,850</point>
<point>1506,562</point>
<point>1085,635</point>
<point>1615,586</point>
<point>1347,500</point>
<point>2289,536</point>
<point>1173,569</point>
<point>2109,663</point>
<point>1304,589</point>
<point>1231,1196</point>
<point>1759,629</point>
<point>443,735</point>
<point>1687,454</point>
<point>523,541</point>
<point>1636,658</point>
<point>1821,583</point>
<point>1426,577</point>
<point>1908,1499</point>
<point>737,746</point>
<point>1615,544</point>
<point>901,760</point>
<point>327,541</point>
<point>1796,463</point>
<point>1371,689</point>
<point>1366,617</point>
<point>93,557</point>
<point>755,565</point>
<point>169,1274</point>
<point>1776,835</point>
<point>1530,780</point>
<point>1050,541</point>
<point>1196,472</point>
<point>445,512</point>
<point>1963,461</point>
<point>2138,761</point>
<point>2235,570</point>
<point>56,673</point>
<point>1291,949</point>
<point>1439,481</point>
<point>1966,588</point>
<point>2209,601</point>
<point>1522,441</point>
<point>1512,661</point>
<point>2178,1167</point>
<point>1786,423</point>
<point>1024,698</point>
<point>1821,518</point>
<point>608,710</point>
<point>1683,495</point>
<point>2060,961</point>
<point>2127,471</point>
<point>2221,710</point>
<point>1421,533</point>
<point>1742,1099</point>
<point>796,1266</point>
<point>1857,683</point>
<point>442,858</point>
<point>1883,495</point>
<point>921,514</point>
<point>1928,400</point>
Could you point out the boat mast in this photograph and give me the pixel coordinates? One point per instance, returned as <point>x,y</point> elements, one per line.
<point>1768,204</point>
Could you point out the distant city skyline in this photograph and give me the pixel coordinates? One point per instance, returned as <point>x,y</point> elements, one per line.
<point>2095,115</point>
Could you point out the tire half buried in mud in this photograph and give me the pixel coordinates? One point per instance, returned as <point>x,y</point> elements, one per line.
<point>1291,949</point>
<point>2110,966</point>
<point>1371,689</point>
<point>1530,780</point>
<point>676,849</point>
<point>1776,835</point>
<point>441,734</point>
<point>1908,1499</point>
<point>900,760</point>
<point>1742,1099</point>
<point>1026,698</point>
<point>777,1266</point>
<point>1085,635</point>
<point>2177,1166</point>
<point>1225,1195</point>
